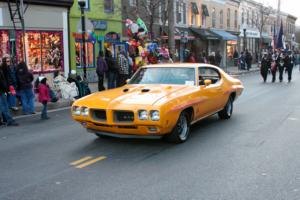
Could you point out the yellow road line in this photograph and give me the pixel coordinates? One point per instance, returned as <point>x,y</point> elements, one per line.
<point>90,162</point>
<point>81,160</point>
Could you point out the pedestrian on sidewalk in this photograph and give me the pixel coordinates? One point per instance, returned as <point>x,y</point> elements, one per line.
<point>4,110</point>
<point>44,96</point>
<point>248,60</point>
<point>112,71</point>
<point>25,88</point>
<point>101,70</point>
<point>236,57</point>
<point>218,59</point>
<point>9,73</point>
<point>242,61</point>
<point>123,68</point>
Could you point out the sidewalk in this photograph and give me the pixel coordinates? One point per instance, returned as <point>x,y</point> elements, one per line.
<point>235,71</point>
<point>62,103</point>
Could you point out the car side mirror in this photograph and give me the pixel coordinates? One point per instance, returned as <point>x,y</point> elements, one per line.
<point>127,81</point>
<point>207,82</point>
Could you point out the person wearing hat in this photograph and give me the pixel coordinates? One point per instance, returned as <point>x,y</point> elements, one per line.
<point>44,97</point>
<point>290,60</point>
<point>265,65</point>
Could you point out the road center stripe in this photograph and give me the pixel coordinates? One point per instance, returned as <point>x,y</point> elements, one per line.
<point>81,160</point>
<point>90,162</point>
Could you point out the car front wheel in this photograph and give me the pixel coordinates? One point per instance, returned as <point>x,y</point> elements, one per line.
<point>181,130</point>
<point>227,111</point>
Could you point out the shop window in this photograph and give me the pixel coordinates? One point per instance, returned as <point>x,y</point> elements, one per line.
<point>228,18</point>
<point>213,18</point>
<point>89,54</point>
<point>4,43</point>
<point>44,50</point>
<point>108,6</point>
<point>221,19</point>
<point>235,19</point>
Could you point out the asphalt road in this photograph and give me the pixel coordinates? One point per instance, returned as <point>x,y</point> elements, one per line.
<point>254,156</point>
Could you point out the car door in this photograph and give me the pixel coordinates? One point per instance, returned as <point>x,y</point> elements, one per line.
<point>212,94</point>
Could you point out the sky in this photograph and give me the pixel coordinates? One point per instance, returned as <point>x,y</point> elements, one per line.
<point>288,6</point>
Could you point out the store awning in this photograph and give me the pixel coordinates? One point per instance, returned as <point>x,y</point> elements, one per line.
<point>205,34</point>
<point>205,10</point>
<point>195,8</point>
<point>266,40</point>
<point>224,35</point>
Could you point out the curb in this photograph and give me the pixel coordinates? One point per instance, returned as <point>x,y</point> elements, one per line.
<point>39,107</point>
<point>243,72</point>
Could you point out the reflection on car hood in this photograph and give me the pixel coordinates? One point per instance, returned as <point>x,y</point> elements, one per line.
<point>130,95</point>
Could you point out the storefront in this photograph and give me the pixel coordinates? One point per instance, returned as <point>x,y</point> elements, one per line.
<point>44,50</point>
<point>44,44</point>
<point>103,28</point>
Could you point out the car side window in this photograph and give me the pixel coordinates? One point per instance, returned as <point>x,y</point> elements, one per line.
<point>208,73</point>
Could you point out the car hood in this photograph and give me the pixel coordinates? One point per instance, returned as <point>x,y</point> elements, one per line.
<point>130,95</point>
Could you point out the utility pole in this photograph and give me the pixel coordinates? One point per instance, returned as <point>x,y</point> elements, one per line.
<point>23,29</point>
<point>278,15</point>
<point>171,31</point>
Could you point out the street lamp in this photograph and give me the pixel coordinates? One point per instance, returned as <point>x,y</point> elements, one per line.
<point>81,4</point>
<point>245,44</point>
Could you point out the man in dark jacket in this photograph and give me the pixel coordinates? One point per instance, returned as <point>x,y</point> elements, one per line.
<point>112,69</point>
<point>290,65</point>
<point>101,70</point>
<point>248,59</point>
<point>265,66</point>
<point>25,88</point>
<point>4,90</point>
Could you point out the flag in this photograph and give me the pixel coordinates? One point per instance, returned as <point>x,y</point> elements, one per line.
<point>279,42</point>
<point>274,37</point>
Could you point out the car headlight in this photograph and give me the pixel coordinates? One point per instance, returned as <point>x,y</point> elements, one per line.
<point>143,114</point>
<point>85,111</point>
<point>76,110</point>
<point>154,115</point>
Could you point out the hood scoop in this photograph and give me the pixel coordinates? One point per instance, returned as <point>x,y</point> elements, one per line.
<point>145,90</point>
<point>126,90</point>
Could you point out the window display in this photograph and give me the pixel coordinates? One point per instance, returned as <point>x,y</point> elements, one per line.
<point>44,50</point>
<point>90,51</point>
<point>4,43</point>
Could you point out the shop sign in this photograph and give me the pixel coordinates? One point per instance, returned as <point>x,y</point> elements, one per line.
<point>232,42</point>
<point>99,25</point>
<point>88,37</point>
<point>250,34</point>
<point>112,37</point>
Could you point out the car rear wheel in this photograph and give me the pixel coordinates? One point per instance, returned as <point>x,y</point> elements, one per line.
<point>228,109</point>
<point>181,130</point>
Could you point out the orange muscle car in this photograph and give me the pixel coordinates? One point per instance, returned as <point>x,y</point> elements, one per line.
<point>160,101</point>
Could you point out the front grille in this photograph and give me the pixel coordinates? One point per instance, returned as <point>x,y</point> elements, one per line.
<point>123,116</point>
<point>99,115</point>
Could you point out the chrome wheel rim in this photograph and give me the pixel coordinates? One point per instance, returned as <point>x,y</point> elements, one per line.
<point>182,127</point>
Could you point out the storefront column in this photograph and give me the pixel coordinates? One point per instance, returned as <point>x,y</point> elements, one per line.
<point>66,44</point>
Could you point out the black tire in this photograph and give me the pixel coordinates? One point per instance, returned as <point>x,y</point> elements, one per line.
<point>181,130</point>
<point>226,113</point>
<point>102,136</point>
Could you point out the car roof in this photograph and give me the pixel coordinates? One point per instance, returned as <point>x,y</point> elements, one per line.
<point>187,65</point>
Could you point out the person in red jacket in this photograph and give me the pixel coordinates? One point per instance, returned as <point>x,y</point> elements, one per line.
<point>44,97</point>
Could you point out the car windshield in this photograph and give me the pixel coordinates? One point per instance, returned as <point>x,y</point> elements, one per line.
<point>165,75</point>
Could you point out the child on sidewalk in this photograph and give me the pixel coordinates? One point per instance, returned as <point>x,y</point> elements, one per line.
<point>44,97</point>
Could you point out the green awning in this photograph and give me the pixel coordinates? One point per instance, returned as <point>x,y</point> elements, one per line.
<point>205,34</point>
<point>205,10</point>
<point>195,8</point>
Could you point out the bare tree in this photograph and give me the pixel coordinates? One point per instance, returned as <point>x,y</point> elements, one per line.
<point>264,14</point>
